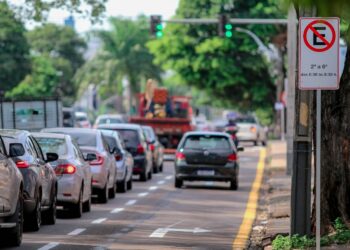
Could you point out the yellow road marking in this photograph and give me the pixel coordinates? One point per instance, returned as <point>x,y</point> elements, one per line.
<point>250,212</point>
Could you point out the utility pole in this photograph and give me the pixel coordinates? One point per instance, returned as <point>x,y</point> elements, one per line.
<point>301,173</point>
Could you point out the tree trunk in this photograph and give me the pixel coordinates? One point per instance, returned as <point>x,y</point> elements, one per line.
<point>335,155</point>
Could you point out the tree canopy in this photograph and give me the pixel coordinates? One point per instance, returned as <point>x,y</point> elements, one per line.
<point>232,70</point>
<point>14,49</point>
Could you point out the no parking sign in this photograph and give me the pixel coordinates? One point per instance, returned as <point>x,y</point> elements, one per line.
<point>319,53</point>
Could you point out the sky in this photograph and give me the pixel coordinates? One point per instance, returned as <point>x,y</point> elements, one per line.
<point>128,8</point>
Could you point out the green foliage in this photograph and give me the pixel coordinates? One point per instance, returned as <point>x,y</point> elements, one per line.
<point>232,70</point>
<point>42,81</point>
<point>341,236</point>
<point>14,49</point>
<point>64,46</point>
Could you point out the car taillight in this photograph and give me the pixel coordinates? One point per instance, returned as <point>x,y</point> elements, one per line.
<point>140,150</point>
<point>118,157</point>
<point>253,129</point>
<point>99,160</point>
<point>65,169</point>
<point>152,147</point>
<point>22,164</point>
<point>232,157</point>
<point>180,156</point>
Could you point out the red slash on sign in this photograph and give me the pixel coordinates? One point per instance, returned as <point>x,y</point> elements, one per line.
<point>326,43</point>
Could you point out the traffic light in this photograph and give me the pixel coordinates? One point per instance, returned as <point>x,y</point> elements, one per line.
<point>156,26</point>
<point>225,28</point>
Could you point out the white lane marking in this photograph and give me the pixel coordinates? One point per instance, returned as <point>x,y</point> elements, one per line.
<point>209,183</point>
<point>130,202</point>
<point>168,177</point>
<point>153,188</point>
<point>124,230</point>
<point>161,232</point>
<point>98,221</point>
<point>160,182</point>
<point>77,231</point>
<point>143,194</point>
<point>49,246</point>
<point>117,210</point>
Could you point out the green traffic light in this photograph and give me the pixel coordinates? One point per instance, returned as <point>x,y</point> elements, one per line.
<point>159,27</point>
<point>228,33</point>
<point>228,26</point>
<point>159,34</point>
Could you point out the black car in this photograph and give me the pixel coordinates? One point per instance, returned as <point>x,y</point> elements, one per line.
<point>206,156</point>
<point>40,183</point>
<point>156,148</point>
<point>135,143</point>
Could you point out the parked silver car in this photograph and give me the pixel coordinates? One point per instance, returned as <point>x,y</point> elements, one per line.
<point>110,119</point>
<point>123,160</point>
<point>74,174</point>
<point>95,148</point>
<point>155,147</point>
<point>249,129</point>
<point>11,199</point>
<point>40,182</point>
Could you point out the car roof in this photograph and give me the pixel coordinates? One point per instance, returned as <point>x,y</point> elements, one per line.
<point>111,116</point>
<point>206,133</point>
<point>50,135</point>
<point>120,126</point>
<point>14,133</point>
<point>70,130</point>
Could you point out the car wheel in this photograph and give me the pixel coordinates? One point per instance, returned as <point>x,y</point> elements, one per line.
<point>143,177</point>
<point>178,183</point>
<point>103,195</point>
<point>155,168</point>
<point>263,143</point>
<point>122,186</point>
<point>112,191</point>
<point>234,184</point>
<point>49,216</point>
<point>161,167</point>
<point>255,143</point>
<point>77,209</point>
<point>149,176</point>
<point>129,184</point>
<point>87,204</point>
<point>34,219</point>
<point>15,234</point>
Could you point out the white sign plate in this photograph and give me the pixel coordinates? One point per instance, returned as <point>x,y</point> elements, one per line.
<point>319,53</point>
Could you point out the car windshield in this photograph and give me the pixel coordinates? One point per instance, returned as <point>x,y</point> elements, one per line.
<point>149,134</point>
<point>85,139</point>
<point>52,145</point>
<point>130,137</point>
<point>247,119</point>
<point>206,142</point>
<point>81,118</point>
<point>109,120</point>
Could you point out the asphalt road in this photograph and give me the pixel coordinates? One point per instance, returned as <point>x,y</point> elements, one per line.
<point>155,215</point>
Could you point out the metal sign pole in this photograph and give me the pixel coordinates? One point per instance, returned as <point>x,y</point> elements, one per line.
<point>318,170</point>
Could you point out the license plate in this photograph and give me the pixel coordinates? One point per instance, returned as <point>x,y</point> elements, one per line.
<point>206,172</point>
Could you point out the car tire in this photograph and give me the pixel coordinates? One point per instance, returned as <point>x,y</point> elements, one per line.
<point>149,176</point>
<point>14,236</point>
<point>143,177</point>
<point>122,186</point>
<point>255,143</point>
<point>161,167</point>
<point>112,191</point>
<point>34,219</point>
<point>155,168</point>
<point>103,195</point>
<point>234,184</point>
<point>178,183</point>
<point>77,209</point>
<point>87,204</point>
<point>263,143</point>
<point>129,184</point>
<point>49,216</point>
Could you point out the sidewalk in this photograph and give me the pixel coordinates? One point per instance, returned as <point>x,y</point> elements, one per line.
<point>273,215</point>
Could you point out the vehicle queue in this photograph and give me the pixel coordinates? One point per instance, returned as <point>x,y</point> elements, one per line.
<point>65,168</point>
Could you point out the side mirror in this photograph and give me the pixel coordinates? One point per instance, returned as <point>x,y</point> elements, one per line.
<point>50,157</point>
<point>240,149</point>
<point>91,157</point>
<point>16,150</point>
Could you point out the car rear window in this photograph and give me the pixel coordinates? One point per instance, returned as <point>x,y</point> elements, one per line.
<point>110,120</point>
<point>206,142</point>
<point>111,141</point>
<point>245,120</point>
<point>85,139</point>
<point>131,137</point>
<point>52,145</point>
<point>149,134</point>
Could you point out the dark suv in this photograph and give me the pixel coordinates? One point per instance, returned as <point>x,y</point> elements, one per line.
<point>40,183</point>
<point>136,144</point>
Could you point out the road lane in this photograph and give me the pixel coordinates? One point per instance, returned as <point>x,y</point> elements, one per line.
<point>202,215</point>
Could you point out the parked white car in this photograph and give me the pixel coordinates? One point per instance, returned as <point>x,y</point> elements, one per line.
<point>250,130</point>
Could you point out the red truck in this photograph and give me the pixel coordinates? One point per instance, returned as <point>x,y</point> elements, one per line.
<point>169,116</point>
